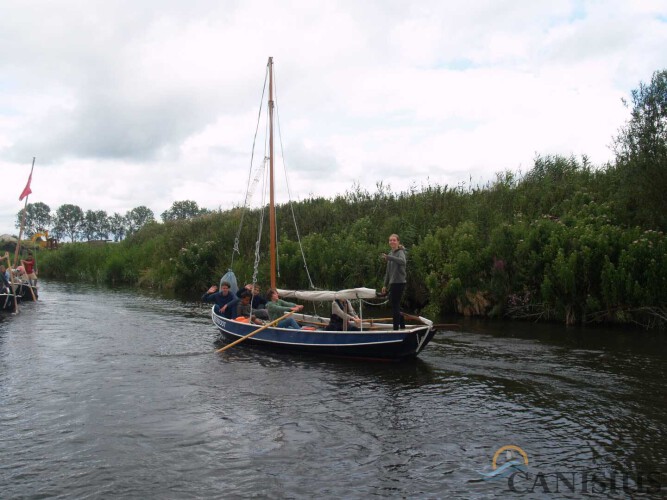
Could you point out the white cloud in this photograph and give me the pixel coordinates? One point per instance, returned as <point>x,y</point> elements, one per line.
<point>127,104</point>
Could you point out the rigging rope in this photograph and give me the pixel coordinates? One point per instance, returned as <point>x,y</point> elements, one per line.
<point>289,194</point>
<point>255,269</point>
<point>261,172</point>
<point>252,157</point>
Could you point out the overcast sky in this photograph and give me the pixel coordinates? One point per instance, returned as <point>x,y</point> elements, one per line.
<point>147,102</point>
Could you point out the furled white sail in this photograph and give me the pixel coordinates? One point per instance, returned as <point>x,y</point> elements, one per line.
<point>326,295</point>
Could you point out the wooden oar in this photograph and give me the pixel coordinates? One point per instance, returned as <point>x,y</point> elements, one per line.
<point>412,317</point>
<point>34,299</point>
<point>444,326</point>
<point>405,315</point>
<point>439,326</point>
<point>313,322</point>
<point>238,341</point>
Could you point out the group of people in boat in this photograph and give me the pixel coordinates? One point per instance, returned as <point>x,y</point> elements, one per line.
<point>26,272</point>
<point>15,281</point>
<point>249,305</point>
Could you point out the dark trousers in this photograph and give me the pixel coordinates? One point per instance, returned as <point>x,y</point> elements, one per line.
<point>395,295</point>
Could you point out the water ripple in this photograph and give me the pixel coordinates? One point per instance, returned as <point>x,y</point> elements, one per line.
<point>106,393</point>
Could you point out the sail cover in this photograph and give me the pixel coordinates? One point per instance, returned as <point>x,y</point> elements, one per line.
<point>230,278</point>
<point>326,295</point>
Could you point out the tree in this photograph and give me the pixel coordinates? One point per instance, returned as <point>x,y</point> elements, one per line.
<point>641,155</point>
<point>645,134</point>
<point>69,221</point>
<point>137,218</point>
<point>37,219</point>
<point>117,226</point>
<point>96,225</point>
<point>182,210</point>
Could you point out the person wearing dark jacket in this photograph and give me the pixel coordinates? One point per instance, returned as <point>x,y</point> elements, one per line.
<point>225,301</point>
<point>244,308</point>
<point>395,278</point>
<point>258,302</point>
<point>5,286</point>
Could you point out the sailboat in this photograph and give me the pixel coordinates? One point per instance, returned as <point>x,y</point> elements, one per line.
<point>374,340</point>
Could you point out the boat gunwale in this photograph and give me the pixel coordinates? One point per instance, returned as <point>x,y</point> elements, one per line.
<point>389,331</point>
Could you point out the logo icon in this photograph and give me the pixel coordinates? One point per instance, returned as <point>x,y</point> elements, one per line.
<point>514,459</point>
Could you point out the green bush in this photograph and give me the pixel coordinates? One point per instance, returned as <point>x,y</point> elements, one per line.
<point>549,245</point>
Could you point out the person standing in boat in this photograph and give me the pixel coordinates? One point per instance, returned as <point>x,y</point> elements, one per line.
<point>30,270</point>
<point>225,301</point>
<point>278,307</point>
<point>395,278</point>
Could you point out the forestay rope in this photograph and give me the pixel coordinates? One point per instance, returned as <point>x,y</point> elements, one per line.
<point>289,194</point>
<point>252,181</point>
<point>258,241</point>
<point>260,172</point>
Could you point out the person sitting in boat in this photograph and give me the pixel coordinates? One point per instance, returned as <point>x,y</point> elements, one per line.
<point>5,285</point>
<point>258,302</point>
<point>20,274</point>
<point>343,316</point>
<point>8,270</point>
<point>225,301</point>
<point>29,266</point>
<point>278,307</point>
<point>244,308</point>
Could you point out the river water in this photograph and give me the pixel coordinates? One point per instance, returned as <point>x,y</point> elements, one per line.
<point>112,394</point>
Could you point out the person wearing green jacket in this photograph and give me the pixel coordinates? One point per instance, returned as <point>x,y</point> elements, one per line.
<point>278,307</point>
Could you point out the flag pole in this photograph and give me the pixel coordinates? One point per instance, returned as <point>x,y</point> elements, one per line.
<point>27,192</point>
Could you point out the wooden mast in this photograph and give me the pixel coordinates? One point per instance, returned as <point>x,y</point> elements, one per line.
<point>272,206</point>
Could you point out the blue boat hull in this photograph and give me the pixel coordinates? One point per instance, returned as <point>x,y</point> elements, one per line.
<point>381,345</point>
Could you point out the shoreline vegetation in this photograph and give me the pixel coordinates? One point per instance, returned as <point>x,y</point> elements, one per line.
<point>565,242</point>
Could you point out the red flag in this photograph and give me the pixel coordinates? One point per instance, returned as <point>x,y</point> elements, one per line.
<point>26,190</point>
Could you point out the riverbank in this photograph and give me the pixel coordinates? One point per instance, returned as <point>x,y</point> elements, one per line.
<point>550,247</point>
